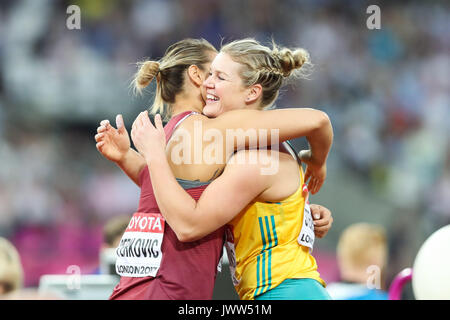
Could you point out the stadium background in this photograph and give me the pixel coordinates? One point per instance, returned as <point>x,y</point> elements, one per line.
<point>386,92</point>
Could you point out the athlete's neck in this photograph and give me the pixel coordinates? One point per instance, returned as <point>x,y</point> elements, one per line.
<point>187,103</point>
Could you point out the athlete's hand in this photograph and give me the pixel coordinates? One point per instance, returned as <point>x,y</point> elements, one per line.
<point>113,143</point>
<point>149,139</point>
<point>322,220</point>
<point>316,173</point>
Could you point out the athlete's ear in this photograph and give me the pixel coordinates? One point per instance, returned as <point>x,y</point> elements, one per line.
<point>253,93</point>
<point>195,75</point>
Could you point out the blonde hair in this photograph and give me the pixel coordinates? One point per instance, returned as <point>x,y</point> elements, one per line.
<point>170,71</point>
<point>362,245</point>
<point>11,271</point>
<point>270,67</point>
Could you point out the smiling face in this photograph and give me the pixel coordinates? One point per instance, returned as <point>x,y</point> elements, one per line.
<point>204,73</point>
<point>224,88</point>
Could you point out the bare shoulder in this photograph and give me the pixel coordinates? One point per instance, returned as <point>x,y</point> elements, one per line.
<point>284,174</point>
<point>192,119</point>
<point>275,173</point>
<point>264,162</point>
<point>246,160</point>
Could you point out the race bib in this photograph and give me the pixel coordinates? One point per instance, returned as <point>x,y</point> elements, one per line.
<point>139,253</point>
<point>307,236</point>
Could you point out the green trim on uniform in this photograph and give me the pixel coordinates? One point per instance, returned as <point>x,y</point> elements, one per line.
<point>296,289</point>
<point>264,283</point>
<point>269,267</point>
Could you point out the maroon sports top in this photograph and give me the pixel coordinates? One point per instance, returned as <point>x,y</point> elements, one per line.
<point>187,270</point>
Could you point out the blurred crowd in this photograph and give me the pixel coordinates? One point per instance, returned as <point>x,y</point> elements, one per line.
<point>386,92</point>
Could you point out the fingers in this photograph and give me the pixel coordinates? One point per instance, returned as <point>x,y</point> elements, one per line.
<point>101,129</point>
<point>119,122</point>
<point>104,126</point>
<point>321,223</point>
<point>158,124</point>
<point>319,185</point>
<point>325,227</point>
<point>316,185</point>
<point>99,145</point>
<point>99,136</point>
<point>142,119</point>
<point>312,185</point>
<point>321,215</point>
<point>321,233</point>
<point>133,129</point>
<point>137,124</point>
<point>145,118</point>
<point>307,175</point>
<point>317,211</point>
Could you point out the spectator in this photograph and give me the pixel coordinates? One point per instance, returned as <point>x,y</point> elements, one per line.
<point>11,271</point>
<point>362,255</point>
<point>112,233</point>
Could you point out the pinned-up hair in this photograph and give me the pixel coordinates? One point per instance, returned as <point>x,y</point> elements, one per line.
<point>270,67</point>
<point>169,71</point>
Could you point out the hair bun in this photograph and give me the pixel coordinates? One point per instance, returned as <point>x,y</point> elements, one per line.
<point>292,60</point>
<point>147,71</point>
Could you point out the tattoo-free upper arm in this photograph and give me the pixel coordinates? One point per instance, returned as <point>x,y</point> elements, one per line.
<point>228,195</point>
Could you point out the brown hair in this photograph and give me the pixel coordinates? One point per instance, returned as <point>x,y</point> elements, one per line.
<point>270,67</point>
<point>114,228</point>
<point>170,71</point>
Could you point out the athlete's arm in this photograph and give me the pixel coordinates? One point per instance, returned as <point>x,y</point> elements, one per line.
<point>224,198</point>
<point>221,201</point>
<point>289,123</point>
<point>114,145</point>
<point>132,164</point>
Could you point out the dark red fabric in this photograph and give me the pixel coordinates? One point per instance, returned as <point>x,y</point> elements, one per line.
<point>188,269</point>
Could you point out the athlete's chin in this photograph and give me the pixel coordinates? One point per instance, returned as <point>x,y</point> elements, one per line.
<point>212,110</point>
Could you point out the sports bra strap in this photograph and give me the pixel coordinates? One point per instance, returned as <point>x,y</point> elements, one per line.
<point>173,123</point>
<point>184,118</point>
